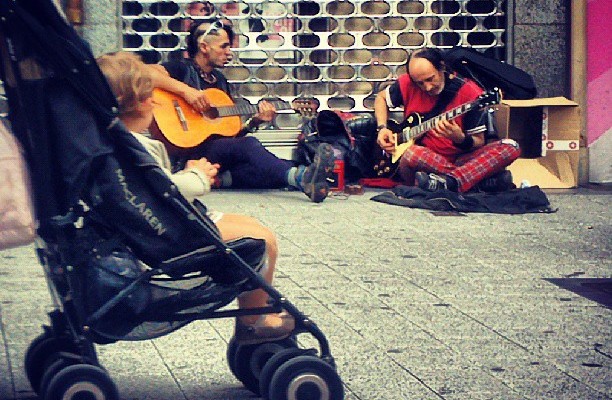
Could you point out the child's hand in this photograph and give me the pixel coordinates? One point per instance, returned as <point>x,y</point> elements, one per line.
<point>204,166</point>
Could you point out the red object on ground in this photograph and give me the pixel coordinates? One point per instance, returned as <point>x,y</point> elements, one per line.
<point>383,183</point>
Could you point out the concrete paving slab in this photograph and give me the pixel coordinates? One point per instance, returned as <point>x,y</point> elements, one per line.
<point>6,369</point>
<point>139,371</point>
<point>590,367</point>
<point>20,384</point>
<point>542,380</point>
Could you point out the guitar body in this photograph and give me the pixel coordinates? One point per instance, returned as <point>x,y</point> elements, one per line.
<point>387,165</point>
<point>181,127</point>
<point>192,128</point>
<point>413,119</point>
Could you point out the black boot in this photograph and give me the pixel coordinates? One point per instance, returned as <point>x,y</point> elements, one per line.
<point>499,182</point>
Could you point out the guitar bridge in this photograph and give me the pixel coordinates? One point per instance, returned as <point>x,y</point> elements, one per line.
<point>180,115</point>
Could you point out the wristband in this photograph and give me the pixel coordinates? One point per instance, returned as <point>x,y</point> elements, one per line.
<point>380,127</point>
<point>466,144</point>
<point>251,125</point>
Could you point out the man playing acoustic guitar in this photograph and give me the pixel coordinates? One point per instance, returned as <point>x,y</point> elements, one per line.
<point>452,154</point>
<point>244,162</point>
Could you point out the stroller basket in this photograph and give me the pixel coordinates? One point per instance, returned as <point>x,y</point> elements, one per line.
<point>149,309</point>
<point>120,298</point>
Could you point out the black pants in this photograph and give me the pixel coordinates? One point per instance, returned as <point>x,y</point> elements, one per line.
<point>252,166</point>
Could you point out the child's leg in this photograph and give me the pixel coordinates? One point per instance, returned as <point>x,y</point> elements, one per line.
<point>234,226</point>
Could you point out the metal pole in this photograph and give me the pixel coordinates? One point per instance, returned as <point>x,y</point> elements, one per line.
<point>578,79</point>
<point>510,32</point>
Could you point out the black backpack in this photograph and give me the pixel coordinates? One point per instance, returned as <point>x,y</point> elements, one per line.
<point>353,138</point>
<point>489,73</point>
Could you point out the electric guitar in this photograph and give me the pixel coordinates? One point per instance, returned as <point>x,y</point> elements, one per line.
<point>413,128</point>
<point>182,126</point>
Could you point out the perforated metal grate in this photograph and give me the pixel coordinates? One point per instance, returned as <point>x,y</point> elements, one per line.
<point>340,52</point>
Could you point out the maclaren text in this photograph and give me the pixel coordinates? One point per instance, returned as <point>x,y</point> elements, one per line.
<point>141,207</point>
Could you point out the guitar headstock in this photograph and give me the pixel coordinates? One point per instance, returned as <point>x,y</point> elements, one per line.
<point>490,98</point>
<point>307,107</point>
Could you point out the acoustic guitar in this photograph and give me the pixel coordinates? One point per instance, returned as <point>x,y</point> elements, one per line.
<point>184,127</point>
<point>413,128</point>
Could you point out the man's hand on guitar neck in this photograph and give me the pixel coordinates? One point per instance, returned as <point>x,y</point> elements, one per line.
<point>450,130</point>
<point>266,113</point>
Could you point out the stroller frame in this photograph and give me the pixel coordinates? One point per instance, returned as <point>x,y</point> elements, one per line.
<point>73,237</point>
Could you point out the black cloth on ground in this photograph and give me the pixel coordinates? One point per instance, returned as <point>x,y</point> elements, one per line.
<point>516,201</point>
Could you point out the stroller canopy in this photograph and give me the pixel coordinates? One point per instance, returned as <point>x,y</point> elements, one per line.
<point>58,100</point>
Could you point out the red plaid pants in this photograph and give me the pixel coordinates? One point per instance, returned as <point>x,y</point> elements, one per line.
<point>468,169</point>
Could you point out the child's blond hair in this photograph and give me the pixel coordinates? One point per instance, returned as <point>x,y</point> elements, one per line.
<point>128,78</point>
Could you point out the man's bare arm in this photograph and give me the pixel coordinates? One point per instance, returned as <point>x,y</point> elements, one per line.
<point>163,80</point>
<point>385,138</point>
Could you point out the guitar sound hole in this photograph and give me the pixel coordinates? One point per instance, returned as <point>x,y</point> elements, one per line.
<point>212,113</point>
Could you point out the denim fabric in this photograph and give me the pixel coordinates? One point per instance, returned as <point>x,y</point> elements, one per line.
<point>252,166</point>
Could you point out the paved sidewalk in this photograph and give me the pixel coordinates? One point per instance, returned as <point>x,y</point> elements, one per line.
<point>415,306</point>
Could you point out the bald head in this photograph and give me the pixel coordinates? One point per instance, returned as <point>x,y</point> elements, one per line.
<point>426,76</point>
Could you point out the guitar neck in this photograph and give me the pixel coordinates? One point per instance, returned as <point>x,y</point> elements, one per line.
<point>248,109</point>
<point>423,127</point>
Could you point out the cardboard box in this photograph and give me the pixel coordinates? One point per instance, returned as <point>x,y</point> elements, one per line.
<point>548,132</point>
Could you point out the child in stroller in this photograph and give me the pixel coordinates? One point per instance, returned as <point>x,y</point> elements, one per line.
<point>132,84</point>
<point>104,207</point>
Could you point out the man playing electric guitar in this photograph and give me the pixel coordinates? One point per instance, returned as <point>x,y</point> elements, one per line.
<point>243,161</point>
<point>453,155</point>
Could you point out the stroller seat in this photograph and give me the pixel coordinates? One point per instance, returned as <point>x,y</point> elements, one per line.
<point>157,302</point>
<point>125,255</point>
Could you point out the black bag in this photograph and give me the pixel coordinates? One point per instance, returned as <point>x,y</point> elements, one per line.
<point>490,73</point>
<point>326,128</point>
<point>352,137</point>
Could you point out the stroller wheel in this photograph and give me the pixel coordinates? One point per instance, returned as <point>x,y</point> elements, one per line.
<point>82,381</point>
<point>249,360</point>
<point>53,370</point>
<point>306,378</point>
<point>232,347</point>
<point>42,352</point>
<point>273,364</point>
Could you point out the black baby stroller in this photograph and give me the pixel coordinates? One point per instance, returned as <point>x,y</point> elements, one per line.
<point>125,255</point>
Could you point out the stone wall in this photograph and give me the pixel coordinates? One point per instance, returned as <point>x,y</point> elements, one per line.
<point>541,43</point>
<point>102,25</point>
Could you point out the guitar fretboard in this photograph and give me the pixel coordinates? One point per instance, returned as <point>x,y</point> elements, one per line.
<point>413,132</point>
<point>247,109</point>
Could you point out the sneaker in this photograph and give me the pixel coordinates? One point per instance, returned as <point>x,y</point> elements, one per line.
<point>314,180</point>
<point>433,182</point>
<point>497,183</point>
